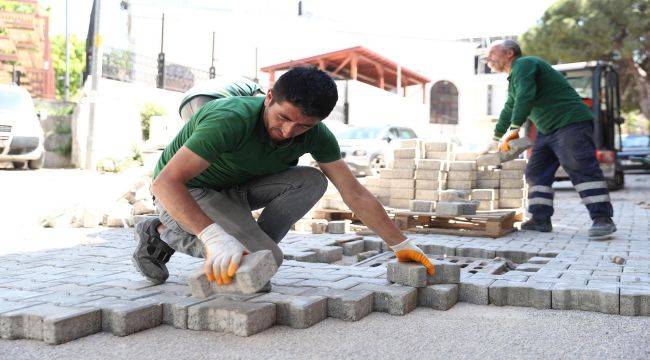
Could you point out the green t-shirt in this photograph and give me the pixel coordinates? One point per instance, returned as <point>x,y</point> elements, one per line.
<point>221,88</point>
<point>230,134</point>
<point>538,90</point>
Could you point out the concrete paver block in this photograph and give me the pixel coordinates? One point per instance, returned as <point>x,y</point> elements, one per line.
<point>454,208</point>
<point>603,299</point>
<point>454,195</point>
<point>399,203</point>
<point>402,193</point>
<point>527,294</point>
<point>347,305</point>
<point>353,247</point>
<point>123,317</point>
<point>439,297</point>
<point>429,185</point>
<point>296,311</point>
<point>461,184</point>
<point>462,165</point>
<point>635,301</point>
<point>484,194</point>
<point>430,164</point>
<point>233,316</point>
<point>406,273</point>
<point>517,164</point>
<point>50,323</point>
<point>437,155</point>
<point>475,290</point>
<point>405,153</point>
<point>511,174</point>
<point>461,175</point>
<point>402,184</point>
<point>517,147</point>
<point>488,184</point>
<point>338,226</point>
<point>422,205</point>
<point>446,272</point>
<point>430,195</point>
<point>254,273</point>
<point>511,194</point>
<point>506,203</point>
<point>491,159</point>
<point>328,254</point>
<point>512,183</point>
<point>437,146</point>
<point>402,164</point>
<point>393,299</point>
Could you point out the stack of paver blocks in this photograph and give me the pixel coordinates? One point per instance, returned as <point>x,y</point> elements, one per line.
<point>431,175</point>
<point>438,291</point>
<point>512,186</point>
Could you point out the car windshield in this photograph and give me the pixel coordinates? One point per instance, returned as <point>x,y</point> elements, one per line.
<point>360,133</point>
<point>11,100</point>
<point>636,142</point>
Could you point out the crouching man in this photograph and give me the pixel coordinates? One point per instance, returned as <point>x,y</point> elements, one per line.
<point>239,154</point>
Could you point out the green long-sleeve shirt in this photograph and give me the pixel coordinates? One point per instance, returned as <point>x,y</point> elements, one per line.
<point>538,90</point>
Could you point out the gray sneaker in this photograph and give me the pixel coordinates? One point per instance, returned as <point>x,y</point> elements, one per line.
<point>537,225</point>
<point>602,226</point>
<point>152,253</point>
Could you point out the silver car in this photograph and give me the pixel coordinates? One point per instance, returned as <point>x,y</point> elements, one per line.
<point>21,135</point>
<point>369,148</point>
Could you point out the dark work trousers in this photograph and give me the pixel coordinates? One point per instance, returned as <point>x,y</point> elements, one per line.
<point>572,147</point>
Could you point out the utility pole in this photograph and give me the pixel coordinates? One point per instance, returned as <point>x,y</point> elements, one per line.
<point>96,72</point>
<point>160,79</point>
<point>212,70</point>
<point>256,57</point>
<point>66,81</point>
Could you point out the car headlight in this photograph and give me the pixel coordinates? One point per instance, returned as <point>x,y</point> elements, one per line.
<point>359,153</point>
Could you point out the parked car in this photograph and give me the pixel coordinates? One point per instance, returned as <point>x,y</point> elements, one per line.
<point>634,147</point>
<point>367,149</point>
<point>21,135</point>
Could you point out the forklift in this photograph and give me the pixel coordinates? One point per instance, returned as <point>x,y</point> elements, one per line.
<point>596,82</point>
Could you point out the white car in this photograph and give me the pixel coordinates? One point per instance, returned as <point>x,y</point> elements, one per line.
<point>21,134</point>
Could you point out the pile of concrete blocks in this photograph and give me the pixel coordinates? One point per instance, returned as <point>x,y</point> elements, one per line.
<point>438,291</point>
<point>512,185</point>
<point>431,175</point>
<point>399,175</point>
<point>462,175</point>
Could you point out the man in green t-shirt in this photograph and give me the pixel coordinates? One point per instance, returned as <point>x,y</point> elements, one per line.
<point>564,136</point>
<point>239,154</point>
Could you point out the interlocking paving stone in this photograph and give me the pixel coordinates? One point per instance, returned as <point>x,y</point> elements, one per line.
<point>439,297</point>
<point>527,294</point>
<point>635,301</point>
<point>347,305</point>
<point>296,311</point>
<point>474,290</point>
<point>124,317</point>
<point>603,299</point>
<point>232,315</point>
<point>50,323</point>
<point>394,299</point>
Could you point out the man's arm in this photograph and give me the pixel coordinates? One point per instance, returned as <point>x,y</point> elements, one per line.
<point>170,189</point>
<point>362,202</point>
<point>525,89</point>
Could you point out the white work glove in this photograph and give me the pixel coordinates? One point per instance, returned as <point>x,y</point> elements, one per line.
<point>223,254</point>
<point>492,146</point>
<point>407,251</point>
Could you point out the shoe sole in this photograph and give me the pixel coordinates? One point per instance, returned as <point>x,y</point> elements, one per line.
<point>598,234</point>
<point>539,230</point>
<point>136,263</point>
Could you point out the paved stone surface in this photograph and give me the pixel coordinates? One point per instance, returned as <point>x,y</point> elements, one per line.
<point>62,286</point>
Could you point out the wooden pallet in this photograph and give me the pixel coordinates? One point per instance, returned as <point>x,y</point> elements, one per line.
<point>332,214</point>
<point>492,224</point>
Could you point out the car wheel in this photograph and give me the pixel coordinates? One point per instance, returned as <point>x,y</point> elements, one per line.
<point>617,183</point>
<point>37,163</point>
<point>18,165</point>
<point>377,162</point>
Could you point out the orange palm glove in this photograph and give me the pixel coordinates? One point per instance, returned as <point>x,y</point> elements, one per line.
<point>511,135</point>
<point>407,251</point>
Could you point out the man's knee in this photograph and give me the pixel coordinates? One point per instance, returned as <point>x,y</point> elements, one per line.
<point>312,179</point>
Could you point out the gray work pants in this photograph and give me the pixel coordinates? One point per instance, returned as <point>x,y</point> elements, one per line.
<point>286,197</point>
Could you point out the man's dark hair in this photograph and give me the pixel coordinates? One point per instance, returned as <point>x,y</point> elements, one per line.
<point>309,89</point>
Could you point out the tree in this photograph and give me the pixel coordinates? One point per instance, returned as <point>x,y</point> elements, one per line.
<point>612,30</point>
<point>76,67</point>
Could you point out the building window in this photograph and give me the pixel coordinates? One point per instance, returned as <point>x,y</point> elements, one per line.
<point>444,103</point>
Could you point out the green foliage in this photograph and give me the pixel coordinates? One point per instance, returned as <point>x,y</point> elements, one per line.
<point>16,7</point>
<point>3,31</point>
<point>148,110</point>
<point>582,30</point>
<point>635,123</point>
<point>65,149</point>
<point>118,64</point>
<point>76,67</point>
<point>65,110</point>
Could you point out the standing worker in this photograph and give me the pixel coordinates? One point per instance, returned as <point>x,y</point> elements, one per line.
<point>565,136</point>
